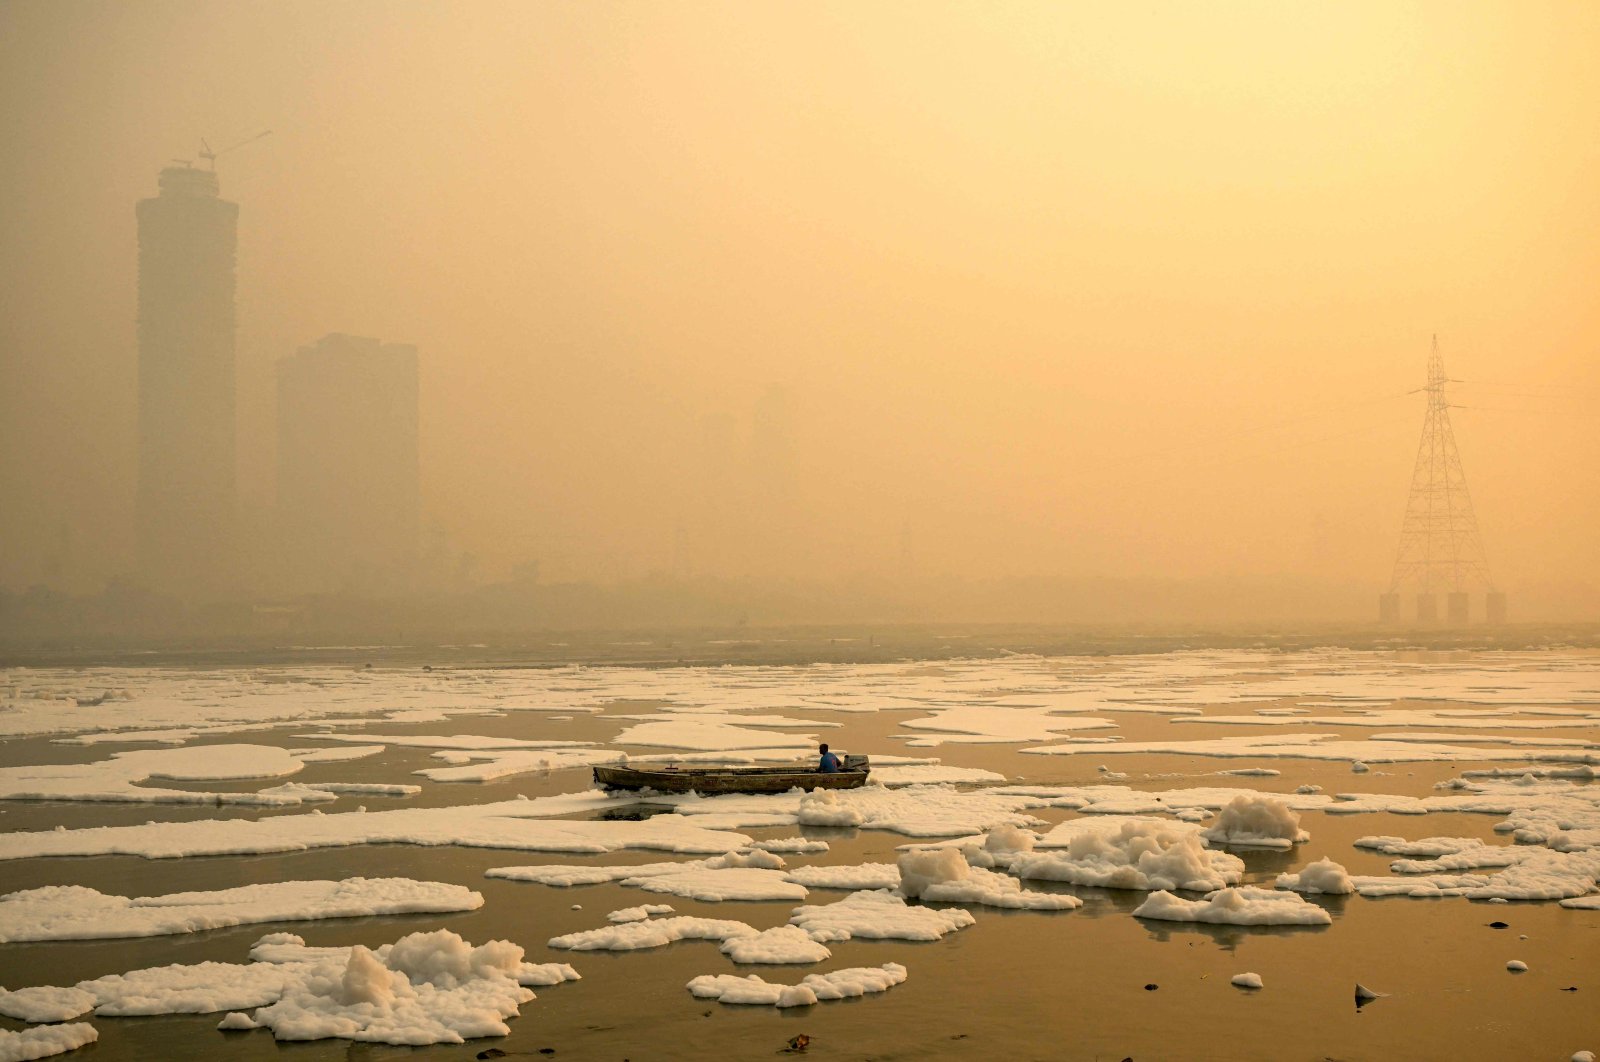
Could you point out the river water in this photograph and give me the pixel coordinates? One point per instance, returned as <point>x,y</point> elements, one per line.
<point>1022,985</point>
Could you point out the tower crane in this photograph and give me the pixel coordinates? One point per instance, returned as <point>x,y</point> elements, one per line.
<point>211,156</point>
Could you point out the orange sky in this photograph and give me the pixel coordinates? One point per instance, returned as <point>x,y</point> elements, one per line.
<point>1060,289</point>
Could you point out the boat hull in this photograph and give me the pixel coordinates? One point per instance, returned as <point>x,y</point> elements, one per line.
<point>711,781</point>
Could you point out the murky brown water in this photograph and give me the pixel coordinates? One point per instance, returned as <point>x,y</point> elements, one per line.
<point>1018,985</point>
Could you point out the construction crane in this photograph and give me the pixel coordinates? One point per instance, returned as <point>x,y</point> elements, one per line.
<point>211,156</point>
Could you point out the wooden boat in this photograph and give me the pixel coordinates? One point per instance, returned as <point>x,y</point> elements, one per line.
<point>713,780</point>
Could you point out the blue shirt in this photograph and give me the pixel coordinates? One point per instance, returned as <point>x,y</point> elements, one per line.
<point>830,764</point>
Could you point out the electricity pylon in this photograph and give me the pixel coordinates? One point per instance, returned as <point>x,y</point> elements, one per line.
<point>1440,549</point>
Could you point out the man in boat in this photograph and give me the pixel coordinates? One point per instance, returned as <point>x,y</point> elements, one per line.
<point>830,763</point>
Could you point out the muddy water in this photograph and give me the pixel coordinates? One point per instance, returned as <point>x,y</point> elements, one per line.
<point>1020,985</point>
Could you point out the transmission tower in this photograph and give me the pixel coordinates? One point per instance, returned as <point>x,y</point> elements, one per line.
<point>1440,549</point>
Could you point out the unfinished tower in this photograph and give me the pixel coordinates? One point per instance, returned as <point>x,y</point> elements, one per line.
<point>186,500</point>
<point>1441,552</point>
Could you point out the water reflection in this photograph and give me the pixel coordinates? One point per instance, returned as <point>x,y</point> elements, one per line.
<point>1226,937</point>
<point>633,812</point>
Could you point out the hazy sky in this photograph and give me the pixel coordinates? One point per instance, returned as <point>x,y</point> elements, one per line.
<point>1066,289</point>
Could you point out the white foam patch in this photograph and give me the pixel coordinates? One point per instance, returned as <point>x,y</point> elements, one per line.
<point>1460,718</point>
<point>1258,821</point>
<point>790,845</point>
<point>201,988</point>
<point>1244,906</point>
<point>878,916</point>
<point>714,886</point>
<point>45,1003</point>
<point>653,933</point>
<point>1582,772</point>
<point>915,810</point>
<point>841,984</point>
<point>108,700</point>
<point>640,913</point>
<point>853,878</point>
<point>779,945</point>
<point>1524,873</point>
<point>1321,747</point>
<point>491,766</point>
<point>119,779</point>
<point>459,742</point>
<point>72,912</point>
<point>1426,847</point>
<point>512,824</point>
<point>1129,853</point>
<point>321,792</point>
<point>746,874</point>
<point>335,754</point>
<point>721,718</point>
<point>45,1041</point>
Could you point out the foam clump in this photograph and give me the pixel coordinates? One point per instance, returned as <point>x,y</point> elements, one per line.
<point>824,808</point>
<point>1259,821</point>
<point>943,875</point>
<point>1324,876</point>
<point>426,988</point>
<point>44,1041</point>
<point>1134,853</point>
<point>841,984</point>
<point>1002,846</point>
<point>923,868</point>
<point>877,916</point>
<point>1246,980</point>
<point>779,945</point>
<point>1243,906</point>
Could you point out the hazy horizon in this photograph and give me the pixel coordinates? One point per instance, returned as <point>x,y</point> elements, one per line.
<point>833,291</point>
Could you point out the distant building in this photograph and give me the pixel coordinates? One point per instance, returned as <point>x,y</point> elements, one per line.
<point>348,464</point>
<point>187,495</point>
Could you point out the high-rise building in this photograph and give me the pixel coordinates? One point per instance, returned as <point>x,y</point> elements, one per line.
<point>348,464</point>
<point>187,496</point>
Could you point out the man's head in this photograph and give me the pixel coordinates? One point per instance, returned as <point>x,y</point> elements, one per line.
<point>823,750</point>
